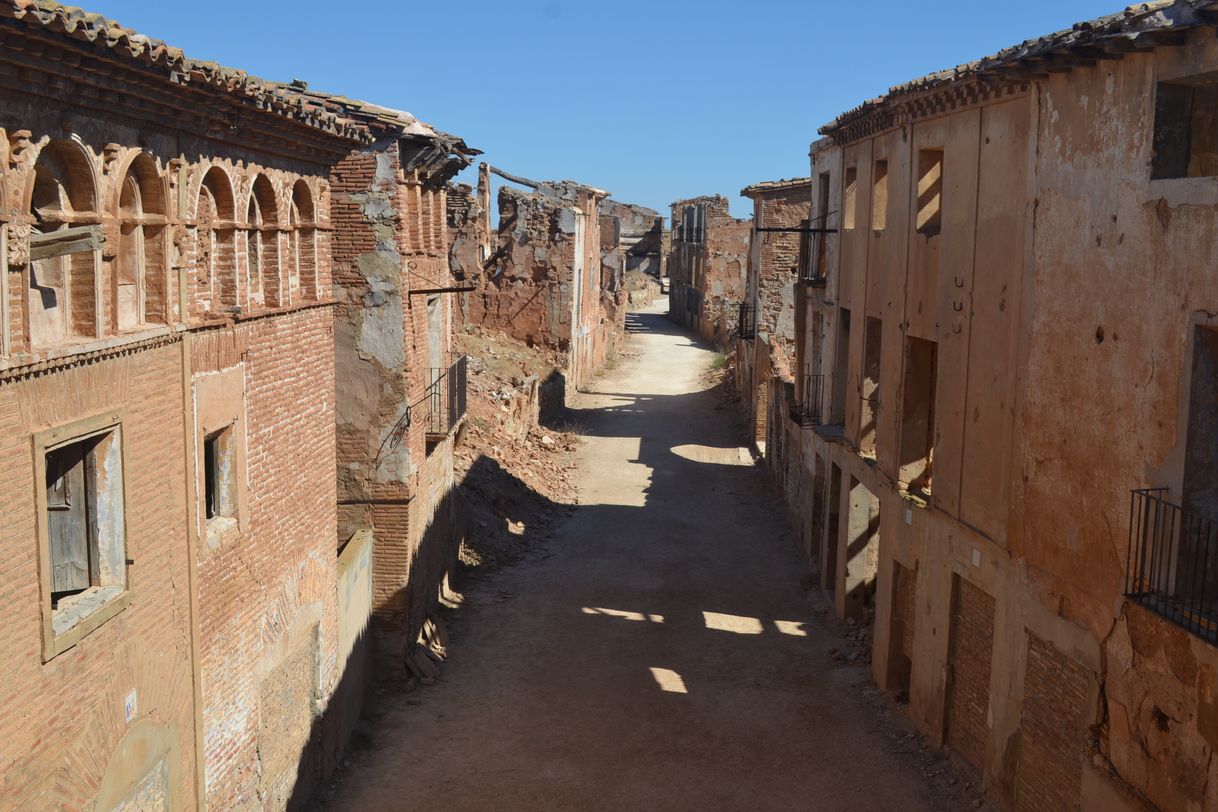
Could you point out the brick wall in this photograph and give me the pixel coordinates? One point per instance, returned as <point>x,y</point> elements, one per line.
<point>526,291</point>
<point>968,695</point>
<point>61,720</point>
<point>774,259</point>
<point>1053,730</point>
<point>709,278</point>
<point>266,594</point>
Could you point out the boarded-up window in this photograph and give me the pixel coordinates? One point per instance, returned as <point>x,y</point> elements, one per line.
<point>83,498</point>
<point>73,550</point>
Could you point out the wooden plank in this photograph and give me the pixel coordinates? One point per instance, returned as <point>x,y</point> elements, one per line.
<point>67,518</point>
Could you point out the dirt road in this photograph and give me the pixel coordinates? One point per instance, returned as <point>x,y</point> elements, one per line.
<point>658,654</point>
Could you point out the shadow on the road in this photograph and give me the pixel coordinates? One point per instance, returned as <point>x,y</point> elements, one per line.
<point>488,500</point>
<point>658,600</point>
<point>658,324</point>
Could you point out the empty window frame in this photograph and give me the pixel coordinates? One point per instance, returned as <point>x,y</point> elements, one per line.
<point>841,369</point>
<point>879,196</point>
<point>849,198</point>
<point>82,533</point>
<point>930,191</point>
<point>219,476</point>
<point>1186,128</point>
<point>822,218</point>
<point>872,336</point>
<point>918,414</point>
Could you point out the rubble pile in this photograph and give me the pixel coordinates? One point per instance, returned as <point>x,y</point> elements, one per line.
<point>515,474</point>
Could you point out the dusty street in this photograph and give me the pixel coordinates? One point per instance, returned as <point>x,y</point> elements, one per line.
<point>659,653</point>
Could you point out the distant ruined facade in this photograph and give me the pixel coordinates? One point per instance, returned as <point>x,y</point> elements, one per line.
<point>767,324</point>
<point>538,275</point>
<point>707,265</point>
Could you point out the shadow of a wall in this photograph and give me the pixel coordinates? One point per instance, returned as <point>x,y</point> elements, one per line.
<point>486,489</point>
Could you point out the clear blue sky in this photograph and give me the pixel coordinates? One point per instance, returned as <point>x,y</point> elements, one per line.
<point>653,101</point>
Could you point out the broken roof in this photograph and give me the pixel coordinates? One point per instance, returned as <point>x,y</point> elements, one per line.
<point>435,154</point>
<point>1139,27</point>
<point>382,120</point>
<point>688,201</point>
<point>122,43</point>
<point>775,186</point>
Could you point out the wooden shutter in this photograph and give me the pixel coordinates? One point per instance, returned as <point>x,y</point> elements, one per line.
<point>68,518</point>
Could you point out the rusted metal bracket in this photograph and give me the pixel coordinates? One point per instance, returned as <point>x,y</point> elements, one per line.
<point>796,230</point>
<point>463,289</point>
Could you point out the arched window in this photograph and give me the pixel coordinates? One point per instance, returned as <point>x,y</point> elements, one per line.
<point>65,248</point>
<point>262,241</point>
<point>253,251</point>
<point>304,241</point>
<point>141,293</point>
<point>216,268</point>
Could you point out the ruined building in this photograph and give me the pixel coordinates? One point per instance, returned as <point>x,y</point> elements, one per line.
<point>766,324</point>
<point>400,389</point>
<point>630,241</point>
<point>179,623</point>
<point>538,277</point>
<point>706,264</point>
<point>1000,440</point>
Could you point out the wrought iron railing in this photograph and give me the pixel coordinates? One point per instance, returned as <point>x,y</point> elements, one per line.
<point>808,397</point>
<point>746,322</point>
<point>1173,562</point>
<point>813,252</point>
<point>446,396</point>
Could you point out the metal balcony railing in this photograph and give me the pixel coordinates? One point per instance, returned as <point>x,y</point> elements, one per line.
<point>746,322</point>
<point>446,397</point>
<point>1173,562</point>
<point>813,252</point>
<point>808,398</point>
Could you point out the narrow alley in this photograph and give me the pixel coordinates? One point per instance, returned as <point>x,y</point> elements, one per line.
<point>658,653</point>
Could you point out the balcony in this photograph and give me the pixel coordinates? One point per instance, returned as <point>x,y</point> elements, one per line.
<point>1173,563</point>
<point>808,399</point>
<point>746,322</point>
<point>445,398</point>
<point>812,254</point>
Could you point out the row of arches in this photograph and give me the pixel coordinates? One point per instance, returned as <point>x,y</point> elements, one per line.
<point>264,256</point>
<point>262,253</point>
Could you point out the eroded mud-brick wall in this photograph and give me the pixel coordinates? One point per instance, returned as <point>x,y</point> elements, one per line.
<point>393,344</point>
<point>708,265</point>
<point>542,282</point>
<point>774,257</point>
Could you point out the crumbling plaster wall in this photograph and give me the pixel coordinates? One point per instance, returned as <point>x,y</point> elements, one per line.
<point>1108,368</point>
<point>393,479</point>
